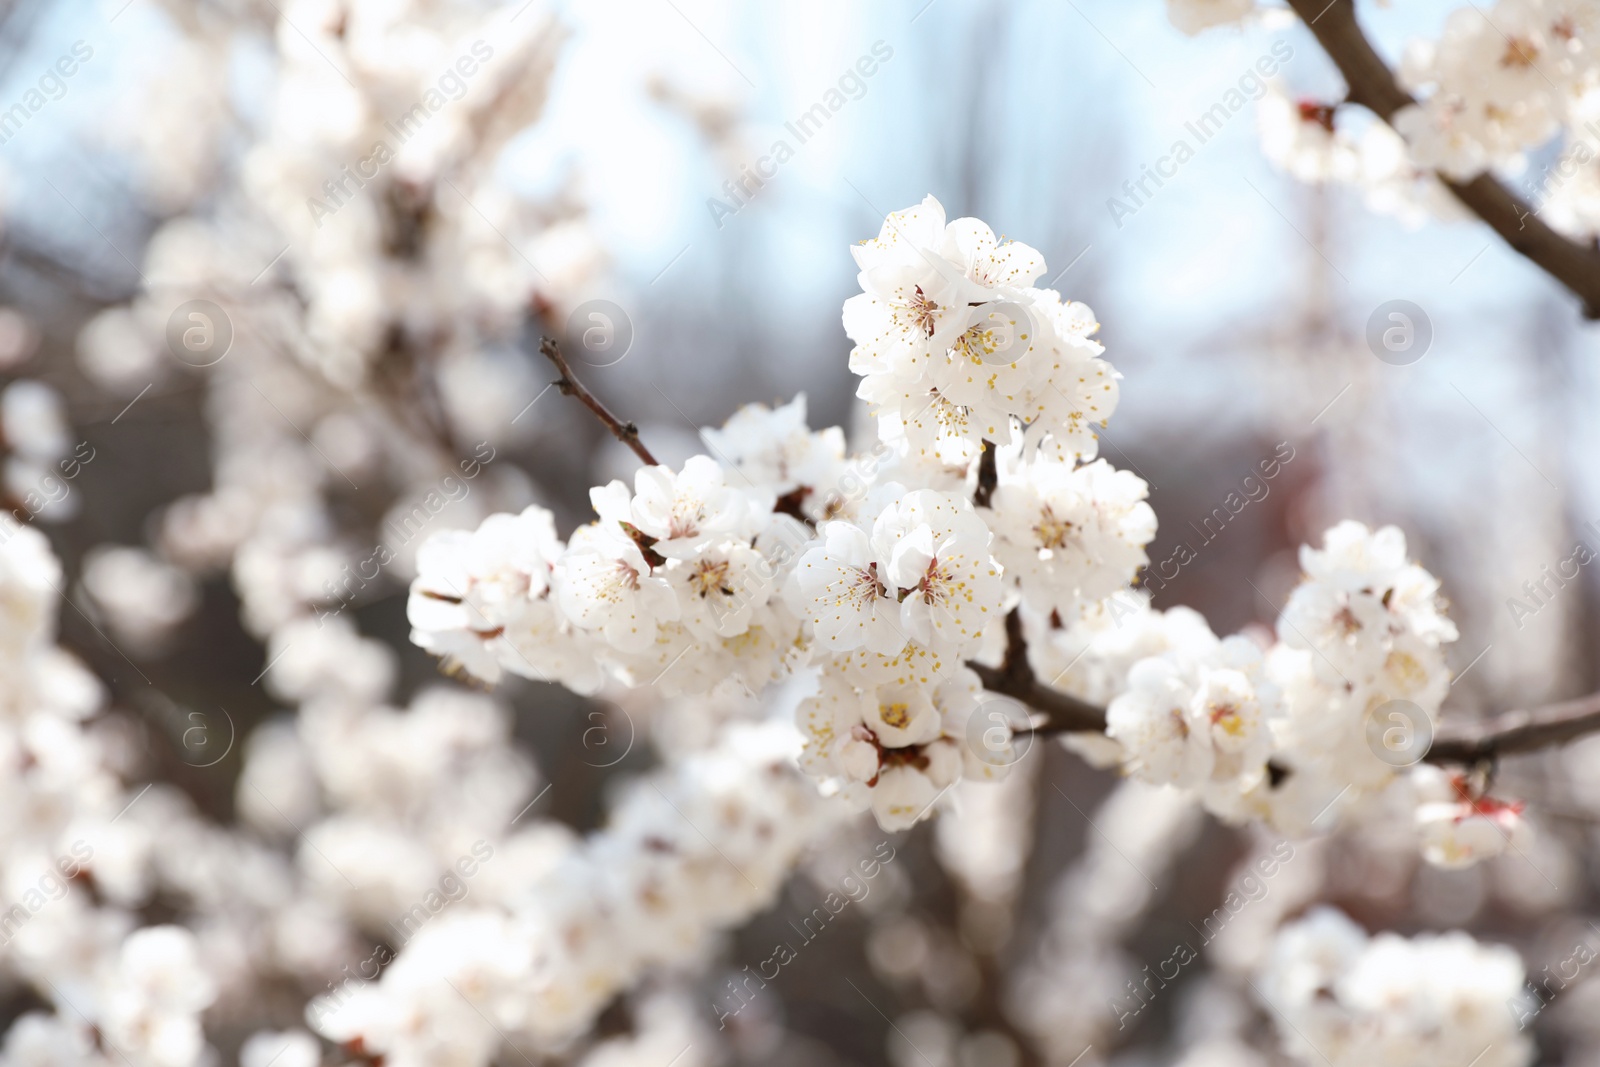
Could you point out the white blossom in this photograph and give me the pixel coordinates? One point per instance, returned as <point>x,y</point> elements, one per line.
<point>1070,536</point>
<point>1459,826</point>
<point>849,599</point>
<point>1344,999</point>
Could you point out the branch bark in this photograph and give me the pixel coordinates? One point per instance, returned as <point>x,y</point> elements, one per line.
<point>988,477</point>
<point>1015,678</point>
<point>1506,734</point>
<point>1516,731</point>
<point>1372,85</point>
<point>626,432</point>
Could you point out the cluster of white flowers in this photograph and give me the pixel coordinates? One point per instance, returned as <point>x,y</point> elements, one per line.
<point>1498,82</point>
<point>1091,659</point>
<point>893,614</point>
<point>687,852</point>
<point>1200,717</point>
<point>877,573</point>
<point>1360,641</point>
<point>694,579</point>
<point>1069,536</point>
<point>954,345</point>
<point>674,585</point>
<point>366,238</point>
<point>880,588</point>
<point>77,859</point>
<point>1342,998</point>
<point>1287,733</point>
<point>1316,142</point>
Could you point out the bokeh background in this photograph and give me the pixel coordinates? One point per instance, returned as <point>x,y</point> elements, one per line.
<point>1236,303</point>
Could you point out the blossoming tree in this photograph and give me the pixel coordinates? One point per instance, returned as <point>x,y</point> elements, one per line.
<point>851,653</point>
<point>970,584</point>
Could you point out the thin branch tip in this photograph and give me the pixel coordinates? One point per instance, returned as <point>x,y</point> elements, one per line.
<point>569,385</point>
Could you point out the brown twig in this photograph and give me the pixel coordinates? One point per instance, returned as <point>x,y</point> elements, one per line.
<point>626,432</point>
<point>1466,743</point>
<point>1516,731</point>
<point>1372,85</point>
<point>988,476</point>
<point>1015,678</point>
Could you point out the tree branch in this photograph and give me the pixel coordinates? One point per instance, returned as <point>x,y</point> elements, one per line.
<point>1373,86</point>
<point>988,477</point>
<point>1516,731</point>
<point>626,432</point>
<point>1015,678</point>
<point>1468,742</point>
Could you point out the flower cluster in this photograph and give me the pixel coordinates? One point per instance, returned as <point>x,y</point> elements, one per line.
<point>1318,142</point>
<point>686,852</point>
<point>1433,1001</point>
<point>894,612</point>
<point>878,574</point>
<point>1499,82</point>
<point>1069,536</point>
<point>673,585</point>
<point>79,860</point>
<point>954,345</point>
<point>1199,717</point>
<point>880,588</point>
<point>1361,641</point>
<point>1284,733</point>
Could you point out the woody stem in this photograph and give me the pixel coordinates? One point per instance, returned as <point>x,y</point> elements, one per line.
<point>1469,743</point>
<point>568,383</point>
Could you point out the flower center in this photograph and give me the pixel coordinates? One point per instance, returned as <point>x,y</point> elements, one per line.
<point>1520,53</point>
<point>1347,621</point>
<point>1051,531</point>
<point>923,311</point>
<point>897,715</point>
<point>710,577</point>
<point>939,584</point>
<point>687,514</point>
<point>1227,716</point>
